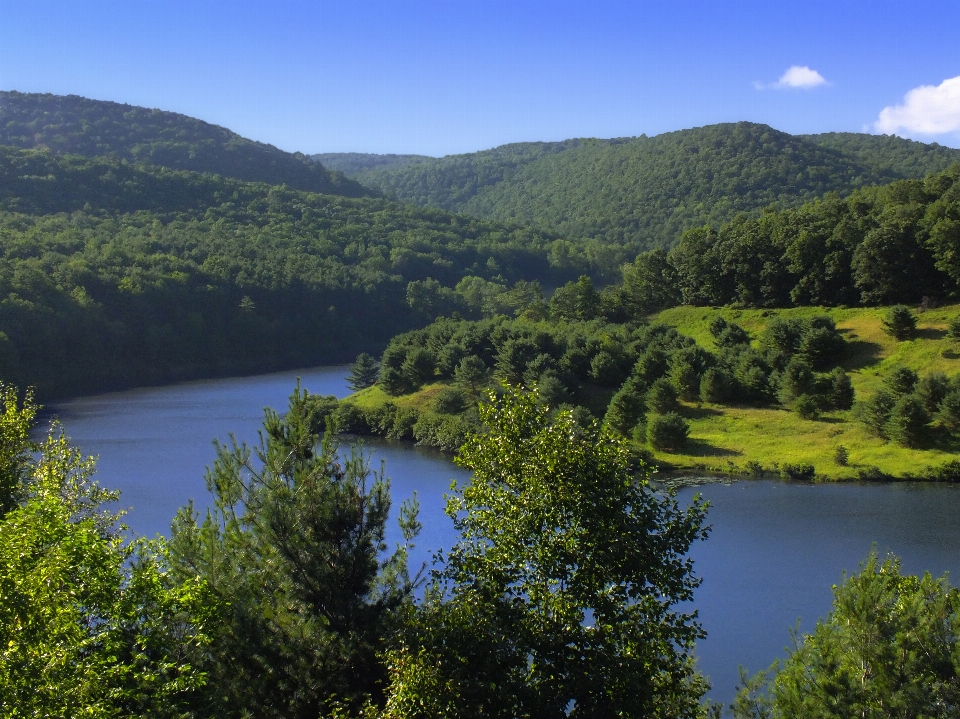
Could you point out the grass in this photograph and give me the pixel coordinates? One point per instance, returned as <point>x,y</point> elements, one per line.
<point>728,439</point>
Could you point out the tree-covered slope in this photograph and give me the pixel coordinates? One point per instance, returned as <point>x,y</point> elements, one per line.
<point>643,192</point>
<point>93,128</point>
<point>113,274</point>
<point>351,163</point>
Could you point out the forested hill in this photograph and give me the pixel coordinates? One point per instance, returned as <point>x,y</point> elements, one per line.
<point>93,128</point>
<point>114,274</point>
<point>351,163</point>
<point>643,192</point>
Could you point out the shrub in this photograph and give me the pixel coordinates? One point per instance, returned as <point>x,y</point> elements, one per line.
<point>947,472</point>
<point>908,421</point>
<point>806,406</point>
<point>733,336</point>
<point>350,419</point>
<point>667,431</point>
<point>953,329</point>
<point>841,457</point>
<point>804,472</point>
<point>451,400</point>
<point>900,323</point>
<point>717,326</point>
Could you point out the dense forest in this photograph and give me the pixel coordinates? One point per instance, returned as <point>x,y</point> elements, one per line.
<point>882,245</point>
<point>93,128</point>
<point>643,192</point>
<point>116,274</point>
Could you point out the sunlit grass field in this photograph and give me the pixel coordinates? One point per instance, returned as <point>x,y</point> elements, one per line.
<point>737,439</point>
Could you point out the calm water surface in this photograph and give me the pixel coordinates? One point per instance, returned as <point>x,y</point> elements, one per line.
<point>773,554</point>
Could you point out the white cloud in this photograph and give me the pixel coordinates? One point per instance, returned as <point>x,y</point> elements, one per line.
<point>801,76</point>
<point>926,110</point>
<point>797,77</point>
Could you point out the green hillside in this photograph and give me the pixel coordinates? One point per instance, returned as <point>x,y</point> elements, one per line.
<point>94,128</point>
<point>643,192</point>
<point>114,274</point>
<point>352,163</point>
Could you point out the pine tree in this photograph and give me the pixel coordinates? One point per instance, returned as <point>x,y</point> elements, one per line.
<point>363,373</point>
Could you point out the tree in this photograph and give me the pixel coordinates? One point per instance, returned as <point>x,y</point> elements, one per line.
<point>536,613</point>
<point>294,546</point>
<point>949,412</point>
<point>667,431</point>
<point>628,406</point>
<point>889,648</point>
<point>876,411</point>
<point>472,374</point>
<point>841,390</point>
<point>908,421</point>
<point>901,381</point>
<point>900,323</point>
<point>363,373</point>
<point>662,397</point>
<point>576,301</point>
<point>90,624</point>
<point>931,390</point>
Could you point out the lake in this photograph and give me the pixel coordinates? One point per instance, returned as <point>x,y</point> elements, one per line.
<point>774,551</point>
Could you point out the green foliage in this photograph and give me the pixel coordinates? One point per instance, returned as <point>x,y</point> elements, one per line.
<point>662,397</point>
<point>641,193</point>
<point>887,649</point>
<point>90,625</point>
<point>716,385</point>
<point>931,389</point>
<point>876,411</point>
<point>953,328</point>
<point>294,547</point>
<point>628,406</point>
<point>363,373</point>
<point>900,323</point>
<point>806,407</point>
<point>667,431</point>
<point>841,456</point>
<point>534,613</point>
<point>114,274</point>
<point>575,301</point>
<point>94,128</point>
<point>798,471</point>
<point>451,400</point>
<point>841,390</point>
<point>908,421</point>
<point>877,246</point>
<point>949,410</point>
<point>472,374</point>
<point>901,381</point>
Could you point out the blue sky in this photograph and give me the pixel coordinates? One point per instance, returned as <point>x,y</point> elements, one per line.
<point>446,76</point>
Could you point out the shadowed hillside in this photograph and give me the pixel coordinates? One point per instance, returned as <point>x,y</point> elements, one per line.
<point>76,125</point>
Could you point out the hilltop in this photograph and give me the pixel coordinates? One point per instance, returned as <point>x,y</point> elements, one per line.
<point>95,128</point>
<point>643,192</point>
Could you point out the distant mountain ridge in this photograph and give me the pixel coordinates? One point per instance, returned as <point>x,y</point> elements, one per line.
<point>94,128</point>
<point>643,192</point>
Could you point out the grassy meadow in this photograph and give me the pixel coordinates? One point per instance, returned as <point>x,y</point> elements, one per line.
<point>741,439</point>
